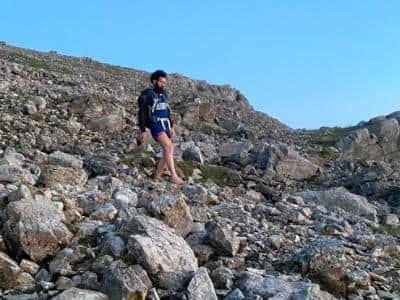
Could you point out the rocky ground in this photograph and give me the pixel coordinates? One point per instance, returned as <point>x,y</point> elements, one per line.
<point>268,212</point>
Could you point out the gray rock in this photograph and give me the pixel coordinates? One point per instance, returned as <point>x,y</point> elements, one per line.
<point>113,244</point>
<point>270,287</point>
<point>235,152</point>
<point>125,197</point>
<point>22,192</point>
<point>166,256</point>
<point>223,238</point>
<point>201,286</point>
<point>340,197</point>
<point>64,160</point>
<point>391,219</point>
<point>101,164</point>
<point>10,173</point>
<point>236,294</point>
<point>193,153</point>
<point>80,294</point>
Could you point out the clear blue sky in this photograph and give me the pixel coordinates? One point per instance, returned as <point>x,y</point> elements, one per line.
<point>308,63</point>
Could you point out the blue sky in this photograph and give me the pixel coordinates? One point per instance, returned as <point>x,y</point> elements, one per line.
<point>307,63</point>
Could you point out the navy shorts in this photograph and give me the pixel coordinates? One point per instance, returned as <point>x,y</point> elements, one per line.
<point>156,128</point>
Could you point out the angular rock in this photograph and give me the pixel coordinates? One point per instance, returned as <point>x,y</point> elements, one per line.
<point>121,282</point>
<point>378,139</point>
<point>173,211</point>
<point>201,286</point>
<point>166,256</point>
<point>36,227</point>
<point>101,164</point>
<point>284,161</point>
<point>55,174</point>
<point>223,238</point>
<point>235,152</point>
<point>193,153</point>
<point>125,197</point>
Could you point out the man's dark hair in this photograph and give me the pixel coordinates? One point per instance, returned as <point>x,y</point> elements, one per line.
<point>157,74</point>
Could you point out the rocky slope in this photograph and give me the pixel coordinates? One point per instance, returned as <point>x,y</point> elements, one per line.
<point>269,212</point>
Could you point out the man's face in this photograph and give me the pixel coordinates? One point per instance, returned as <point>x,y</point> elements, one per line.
<point>161,83</point>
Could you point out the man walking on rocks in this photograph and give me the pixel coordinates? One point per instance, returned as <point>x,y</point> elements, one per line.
<point>155,114</point>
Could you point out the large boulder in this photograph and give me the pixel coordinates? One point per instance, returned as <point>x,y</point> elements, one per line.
<point>284,161</point>
<point>36,227</point>
<point>166,256</point>
<point>342,198</point>
<point>378,139</point>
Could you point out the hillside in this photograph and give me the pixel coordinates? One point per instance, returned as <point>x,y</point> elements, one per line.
<point>269,212</point>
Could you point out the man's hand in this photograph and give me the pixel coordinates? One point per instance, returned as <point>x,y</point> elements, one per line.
<point>143,137</point>
<point>172,131</point>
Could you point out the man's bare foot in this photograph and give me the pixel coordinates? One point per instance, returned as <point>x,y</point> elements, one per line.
<point>177,180</point>
<point>156,178</point>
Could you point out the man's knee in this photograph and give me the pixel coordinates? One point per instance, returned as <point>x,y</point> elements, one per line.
<point>168,147</point>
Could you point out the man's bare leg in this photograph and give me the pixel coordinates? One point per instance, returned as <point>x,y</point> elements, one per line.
<point>168,156</point>
<point>162,164</point>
